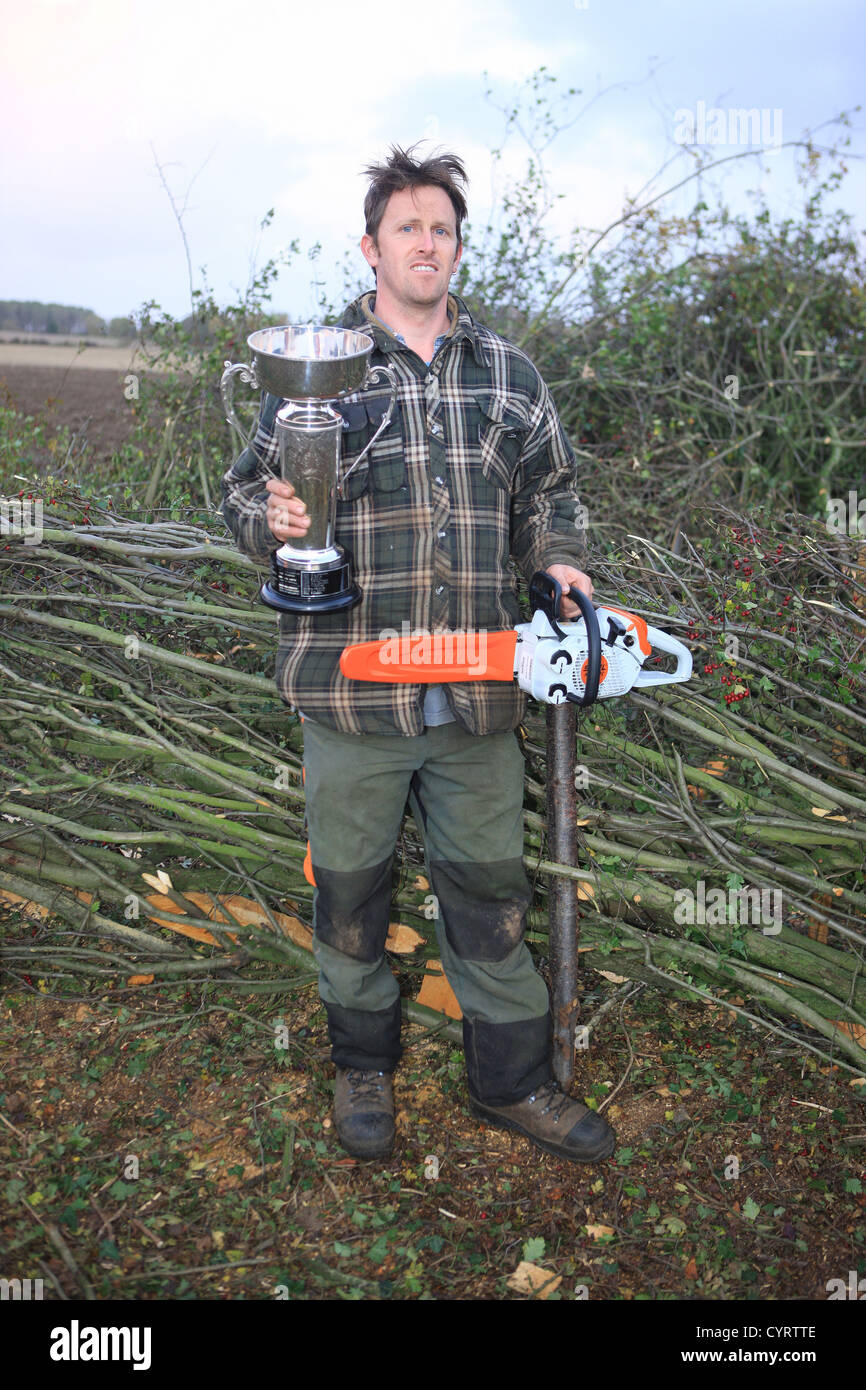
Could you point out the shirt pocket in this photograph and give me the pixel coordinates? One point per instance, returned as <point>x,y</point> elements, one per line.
<point>384,468</point>
<point>503,424</point>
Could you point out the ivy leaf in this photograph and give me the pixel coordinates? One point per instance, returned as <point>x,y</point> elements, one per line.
<point>378,1250</point>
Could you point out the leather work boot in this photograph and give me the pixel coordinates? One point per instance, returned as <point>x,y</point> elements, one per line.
<point>554,1122</point>
<point>364,1112</point>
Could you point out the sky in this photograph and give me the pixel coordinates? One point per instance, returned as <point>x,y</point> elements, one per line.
<point>279,105</point>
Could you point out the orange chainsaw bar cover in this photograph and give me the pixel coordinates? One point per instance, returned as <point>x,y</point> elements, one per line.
<point>426,660</point>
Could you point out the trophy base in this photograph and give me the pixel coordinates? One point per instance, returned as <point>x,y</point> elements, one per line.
<point>317,587</point>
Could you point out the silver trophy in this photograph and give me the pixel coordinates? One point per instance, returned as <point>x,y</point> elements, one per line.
<point>310,366</point>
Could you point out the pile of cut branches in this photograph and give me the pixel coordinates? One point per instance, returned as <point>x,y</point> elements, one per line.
<point>152,802</point>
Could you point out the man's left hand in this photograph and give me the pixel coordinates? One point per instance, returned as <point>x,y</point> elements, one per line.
<point>567,576</point>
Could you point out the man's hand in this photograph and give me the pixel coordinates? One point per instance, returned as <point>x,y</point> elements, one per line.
<point>567,576</point>
<point>286,514</point>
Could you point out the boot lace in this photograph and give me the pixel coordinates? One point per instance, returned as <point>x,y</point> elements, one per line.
<point>366,1084</point>
<point>556,1102</point>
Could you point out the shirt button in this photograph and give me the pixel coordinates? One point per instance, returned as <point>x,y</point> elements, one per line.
<point>436,430</point>
<point>442,534</point>
<point>439,480</point>
<point>440,589</point>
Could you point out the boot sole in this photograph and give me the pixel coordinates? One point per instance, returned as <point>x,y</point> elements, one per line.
<point>383,1150</point>
<point>500,1122</point>
<point>378,1154</point>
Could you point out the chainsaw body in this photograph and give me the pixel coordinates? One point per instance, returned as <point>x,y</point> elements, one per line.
<point>599,655</point>
<point>554,665</point>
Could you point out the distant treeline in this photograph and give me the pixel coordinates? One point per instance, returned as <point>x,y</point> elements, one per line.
<point>29,316</point>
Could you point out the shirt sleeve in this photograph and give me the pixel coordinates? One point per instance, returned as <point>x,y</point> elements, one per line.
<point>245,497</point>
<point>547,517</point>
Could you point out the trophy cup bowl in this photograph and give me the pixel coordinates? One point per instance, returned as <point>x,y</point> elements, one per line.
<point>307,361</point>
<point>309,366</point>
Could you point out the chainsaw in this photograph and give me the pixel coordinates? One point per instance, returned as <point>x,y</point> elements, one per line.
<point>599,655</point>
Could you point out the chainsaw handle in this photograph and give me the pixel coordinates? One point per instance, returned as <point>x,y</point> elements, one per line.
<point>593,654</point>
<point>663,642</point>
<point>545,593</point>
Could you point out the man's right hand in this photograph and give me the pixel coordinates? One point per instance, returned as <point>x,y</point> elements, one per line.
<point>286,514</point>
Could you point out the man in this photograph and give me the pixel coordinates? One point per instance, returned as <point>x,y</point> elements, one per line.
<point>474,468</point>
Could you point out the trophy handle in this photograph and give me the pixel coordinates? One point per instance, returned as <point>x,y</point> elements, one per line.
<point>227,388</point>
<point>372,374</point>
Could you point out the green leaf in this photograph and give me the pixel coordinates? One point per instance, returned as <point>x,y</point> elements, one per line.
<point>120,1189</point>
<point>750,1209</point>
<point>378,1250</point>
<point>534,1249</point>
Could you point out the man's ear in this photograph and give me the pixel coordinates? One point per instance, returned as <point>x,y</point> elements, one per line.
<point>369,250</point>
<point>458,257</point>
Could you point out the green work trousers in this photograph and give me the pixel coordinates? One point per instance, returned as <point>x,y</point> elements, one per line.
<point>466,796</point>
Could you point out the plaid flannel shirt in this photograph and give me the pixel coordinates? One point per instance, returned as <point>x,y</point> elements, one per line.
<point>474,471</point>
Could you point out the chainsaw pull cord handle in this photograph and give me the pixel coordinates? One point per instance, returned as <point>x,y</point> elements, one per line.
<point>545,593</point>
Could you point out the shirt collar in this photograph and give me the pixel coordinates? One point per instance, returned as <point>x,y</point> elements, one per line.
<point>462,324</point>
<point>440,337</point>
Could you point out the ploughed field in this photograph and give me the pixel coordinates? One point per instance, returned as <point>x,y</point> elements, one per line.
<point>82,388</point>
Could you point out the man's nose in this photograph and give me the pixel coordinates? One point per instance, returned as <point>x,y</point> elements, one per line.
<point>425,241</point>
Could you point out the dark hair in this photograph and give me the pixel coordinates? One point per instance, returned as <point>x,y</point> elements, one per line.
<point>401,170</point>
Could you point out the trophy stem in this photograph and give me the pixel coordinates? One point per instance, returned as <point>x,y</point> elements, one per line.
<point>311,574</point>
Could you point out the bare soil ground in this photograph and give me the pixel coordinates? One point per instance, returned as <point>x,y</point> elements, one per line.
<point>90,400</point>
<point>737,1175</point>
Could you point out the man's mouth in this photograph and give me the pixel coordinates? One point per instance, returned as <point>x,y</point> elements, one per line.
<point>424,267</point>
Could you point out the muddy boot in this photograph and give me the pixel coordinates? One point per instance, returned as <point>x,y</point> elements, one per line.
<point>364,1112</point>
<point>554,1122</point>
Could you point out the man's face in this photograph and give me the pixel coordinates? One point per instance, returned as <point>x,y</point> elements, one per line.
<point>416,247</point>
